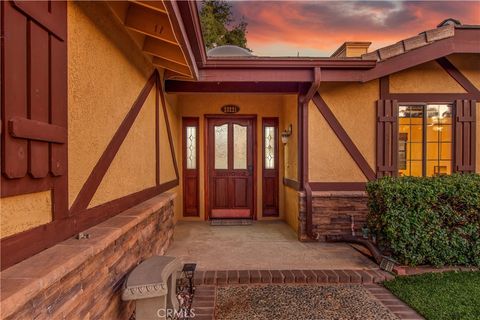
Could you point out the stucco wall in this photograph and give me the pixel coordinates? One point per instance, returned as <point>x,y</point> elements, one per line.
<point>425,78</point>
<point>197,105</point>
<point>24,212</point>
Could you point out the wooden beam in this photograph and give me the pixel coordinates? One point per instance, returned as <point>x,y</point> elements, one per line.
<point>149,22</point>
<point>154,5</point>
<point>36,130</point>
<point>338,186</point>
<point>173,66</point>
<point>344,137</point>
<point>164,50</point>
<point>177,86</point>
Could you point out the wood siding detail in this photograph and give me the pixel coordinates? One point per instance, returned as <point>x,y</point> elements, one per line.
<point>465,135</point>
<point>387,137</point>
<point>270,182</point>
<point>34,102</point>
<point>191,177</point>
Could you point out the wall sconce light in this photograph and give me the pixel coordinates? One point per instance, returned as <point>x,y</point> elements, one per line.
<point>286,134</point>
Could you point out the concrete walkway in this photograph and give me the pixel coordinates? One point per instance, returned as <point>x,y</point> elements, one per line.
<point>262,246</point>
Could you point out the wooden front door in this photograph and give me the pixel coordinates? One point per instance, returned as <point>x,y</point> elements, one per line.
<point>230,167</point>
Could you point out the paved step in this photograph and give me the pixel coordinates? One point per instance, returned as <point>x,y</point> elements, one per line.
<point>223,277</point>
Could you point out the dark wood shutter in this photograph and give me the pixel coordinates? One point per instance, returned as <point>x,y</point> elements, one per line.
<point>34,105</point>
<point>387,137</point>
<point>465,118</point>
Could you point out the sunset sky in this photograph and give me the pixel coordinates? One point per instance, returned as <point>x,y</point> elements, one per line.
<point>317,28</point>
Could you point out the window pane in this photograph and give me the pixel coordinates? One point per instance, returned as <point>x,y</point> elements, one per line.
<point>416,151</point>
<point>221,146</point>
<point>270,148</point>
<point>439,114</point>
<point>437,168</point>
<point>410,140</point>
<point>239,147</point>
<point>191,147</point>
<point>416,168</point>
<point>439,133</point>
<point>439,151</point>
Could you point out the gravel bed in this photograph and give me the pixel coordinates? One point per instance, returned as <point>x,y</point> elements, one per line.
<point>288,302</point>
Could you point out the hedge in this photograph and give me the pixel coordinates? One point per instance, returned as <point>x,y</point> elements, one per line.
<point>427,221</point>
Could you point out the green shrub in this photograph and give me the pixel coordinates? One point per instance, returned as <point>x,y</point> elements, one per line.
<point>427,220</point>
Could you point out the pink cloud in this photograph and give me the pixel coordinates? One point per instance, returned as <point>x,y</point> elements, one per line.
<point>319,27</point>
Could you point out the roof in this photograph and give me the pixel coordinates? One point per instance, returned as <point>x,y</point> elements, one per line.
<point>446,29</point>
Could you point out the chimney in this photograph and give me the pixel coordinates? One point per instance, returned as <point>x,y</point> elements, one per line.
<point>351,50</point>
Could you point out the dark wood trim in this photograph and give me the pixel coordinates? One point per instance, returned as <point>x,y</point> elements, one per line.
<point>384,87</point>
<point>169,131</point>
<point>95,178</point>
<point>270,174</point>
<point>24,128</point>
<point>458,76</point>
<point>207,156</point>
<point>338,186</point>
<point>189,14</point>
<point>177,86</point>
<point>181,33</point>
<point>430,97</point>
<point>93,216</point>
<point>344,137</point>
<point>157,130</point>
<point>189,174</point>
<point>295,185</point>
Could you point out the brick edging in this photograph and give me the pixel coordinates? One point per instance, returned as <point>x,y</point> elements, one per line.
<point>392,302</point>
<point>222,277</point>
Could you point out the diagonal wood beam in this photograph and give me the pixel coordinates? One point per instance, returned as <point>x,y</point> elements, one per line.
<point>457,75</point>
<point>96,176</point>
<point>344,137</point>
<point>164,50</point>
<point>169,132</point>
<point>152,23</point>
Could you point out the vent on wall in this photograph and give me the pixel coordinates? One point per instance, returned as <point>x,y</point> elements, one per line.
<point>230,108</point>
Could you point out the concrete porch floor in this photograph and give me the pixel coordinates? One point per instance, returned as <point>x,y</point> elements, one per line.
<point>271,245</point>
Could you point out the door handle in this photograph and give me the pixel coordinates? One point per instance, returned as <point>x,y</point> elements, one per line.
<point>250,169</point>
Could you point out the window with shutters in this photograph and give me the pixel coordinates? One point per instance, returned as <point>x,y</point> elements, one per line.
<point>425,139</point>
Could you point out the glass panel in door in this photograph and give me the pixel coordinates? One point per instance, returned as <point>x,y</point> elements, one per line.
<point>221,146</point>
<point>239,147</point>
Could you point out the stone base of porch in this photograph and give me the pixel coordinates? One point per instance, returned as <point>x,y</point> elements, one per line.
<point>334,213</point>
<point>82,279</point>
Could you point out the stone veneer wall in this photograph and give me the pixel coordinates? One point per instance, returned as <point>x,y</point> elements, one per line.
<point>88,284</point>
<point>333,212</point>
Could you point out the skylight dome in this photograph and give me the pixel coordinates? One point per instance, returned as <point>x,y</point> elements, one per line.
<point>229,51</point>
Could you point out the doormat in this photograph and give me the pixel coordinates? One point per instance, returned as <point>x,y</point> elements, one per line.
<point>230,222</point>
